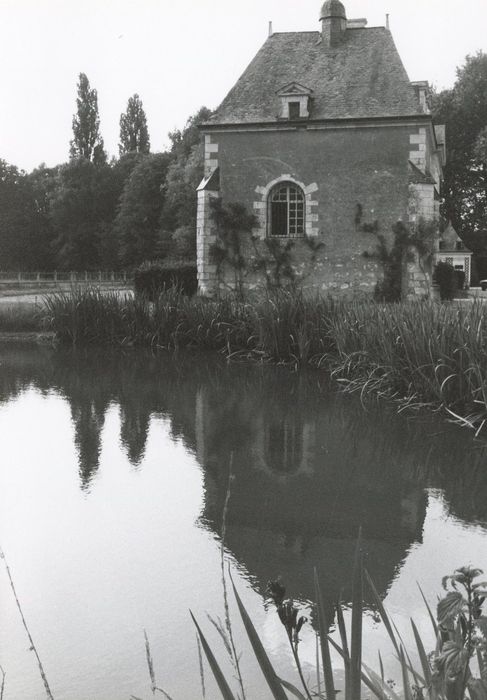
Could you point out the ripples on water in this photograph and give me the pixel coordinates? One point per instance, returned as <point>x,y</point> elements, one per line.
<point>112,483</point>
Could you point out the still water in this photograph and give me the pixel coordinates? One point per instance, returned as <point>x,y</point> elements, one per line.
<point>113,476</point>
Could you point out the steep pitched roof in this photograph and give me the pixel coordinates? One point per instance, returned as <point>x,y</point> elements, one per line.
<point>362,77</point>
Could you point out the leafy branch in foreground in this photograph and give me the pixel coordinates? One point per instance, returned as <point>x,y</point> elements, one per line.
<point>463,630</point>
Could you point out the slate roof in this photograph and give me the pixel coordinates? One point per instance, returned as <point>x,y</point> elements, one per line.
<point>362,77</point>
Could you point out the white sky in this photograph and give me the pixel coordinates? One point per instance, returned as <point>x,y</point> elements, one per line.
<point>179,56</point>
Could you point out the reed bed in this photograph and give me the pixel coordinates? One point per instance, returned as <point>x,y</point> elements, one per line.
<point>419,354</point>
<point>21,317</point>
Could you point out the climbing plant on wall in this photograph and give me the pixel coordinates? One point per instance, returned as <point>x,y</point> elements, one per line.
<point>237,248</point>
<point>233,223</point>
<point>419,238</point>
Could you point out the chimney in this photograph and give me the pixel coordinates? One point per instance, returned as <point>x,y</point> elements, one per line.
<point>270,28</point>
<point>333,20</point>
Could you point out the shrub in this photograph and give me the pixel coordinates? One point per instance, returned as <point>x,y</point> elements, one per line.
<point>446,278</point>
<point>151,278</point>
<point>460,275</point>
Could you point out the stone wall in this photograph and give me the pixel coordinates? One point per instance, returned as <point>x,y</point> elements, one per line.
<point>338,169</point>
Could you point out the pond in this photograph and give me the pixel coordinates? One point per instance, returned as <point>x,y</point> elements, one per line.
<point>114,474</point>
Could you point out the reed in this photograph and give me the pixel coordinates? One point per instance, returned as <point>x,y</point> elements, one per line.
<point>447,673</point>
<point>419,354</point>
<point>33,647</point>
<point>21,317</point>
<point>2,686</point>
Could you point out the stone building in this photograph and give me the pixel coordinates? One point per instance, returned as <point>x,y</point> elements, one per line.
<point>453,251</point>
<point>325,139</point>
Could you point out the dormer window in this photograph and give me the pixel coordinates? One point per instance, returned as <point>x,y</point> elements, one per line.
<point>295,101</point>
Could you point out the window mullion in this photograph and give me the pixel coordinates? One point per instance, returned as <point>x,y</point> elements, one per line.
<point>288,197</point>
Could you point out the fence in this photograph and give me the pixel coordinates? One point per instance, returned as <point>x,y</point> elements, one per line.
<point>105,277</point>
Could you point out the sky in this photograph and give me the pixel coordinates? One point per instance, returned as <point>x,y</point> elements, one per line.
<point>179,56</point>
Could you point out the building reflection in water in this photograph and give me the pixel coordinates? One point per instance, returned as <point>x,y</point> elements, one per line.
<point>309,467</point>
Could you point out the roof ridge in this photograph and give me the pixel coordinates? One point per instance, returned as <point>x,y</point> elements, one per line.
<point>317,31</point>
<point>304,31</point>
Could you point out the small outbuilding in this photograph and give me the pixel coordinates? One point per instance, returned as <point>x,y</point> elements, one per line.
<point>453,251</point>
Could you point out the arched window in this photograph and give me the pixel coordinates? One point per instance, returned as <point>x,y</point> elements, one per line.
<point>285,211</point>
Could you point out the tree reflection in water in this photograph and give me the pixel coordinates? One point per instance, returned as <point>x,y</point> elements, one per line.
<point>309,466</point>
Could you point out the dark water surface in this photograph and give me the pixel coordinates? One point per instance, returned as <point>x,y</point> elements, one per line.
<point>113,476</point>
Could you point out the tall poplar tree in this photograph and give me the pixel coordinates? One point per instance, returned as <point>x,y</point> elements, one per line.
<point>87,141</point>
<point>134,135</point>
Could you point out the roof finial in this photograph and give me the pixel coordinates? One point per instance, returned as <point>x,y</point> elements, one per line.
<point>387,21</point>
<point>270,28</point>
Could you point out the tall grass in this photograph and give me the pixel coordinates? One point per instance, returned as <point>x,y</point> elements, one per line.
<point>419,354</point>
<point>22,317</point>
<point>278,328</point>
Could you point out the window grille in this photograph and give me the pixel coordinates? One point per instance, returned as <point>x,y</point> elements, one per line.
<point>286,211</point>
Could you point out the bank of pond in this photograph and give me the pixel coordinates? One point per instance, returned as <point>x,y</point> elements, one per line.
<point>418,354</point>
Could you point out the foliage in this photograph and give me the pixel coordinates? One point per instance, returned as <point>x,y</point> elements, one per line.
<point>444,674</point>
<point>25,228</point>
<point>134,135</point>
<point>233,223</point>
<point>277,264</point>
<point>364,226</point>
<point>39,250</point>
<point>445,277</point>
<point>463,630</point>
<point>87,141</point>
<point>152,278</point>
<point>183,141</point>
<point>81,213</point>
<point>420,237</point>
<point>21,317</point>
<point>292,622</point>
<point>16,212</point>
<point>137,220</point>
<point>185,172</point>
<point>463,110</point>
<point>88,213</point>
<point>271,257</point>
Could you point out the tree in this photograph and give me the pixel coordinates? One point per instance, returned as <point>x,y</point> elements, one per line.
<point>15,216</point>
<point>463,110</point>
<point>178,217</point>
<point>137,222</point>
<point>134,135</point>
<point>87,141</point>
<point>82,214</point>
<point>42,183</point>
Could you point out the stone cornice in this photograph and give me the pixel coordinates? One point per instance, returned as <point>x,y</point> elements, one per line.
<point>321,124</point>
